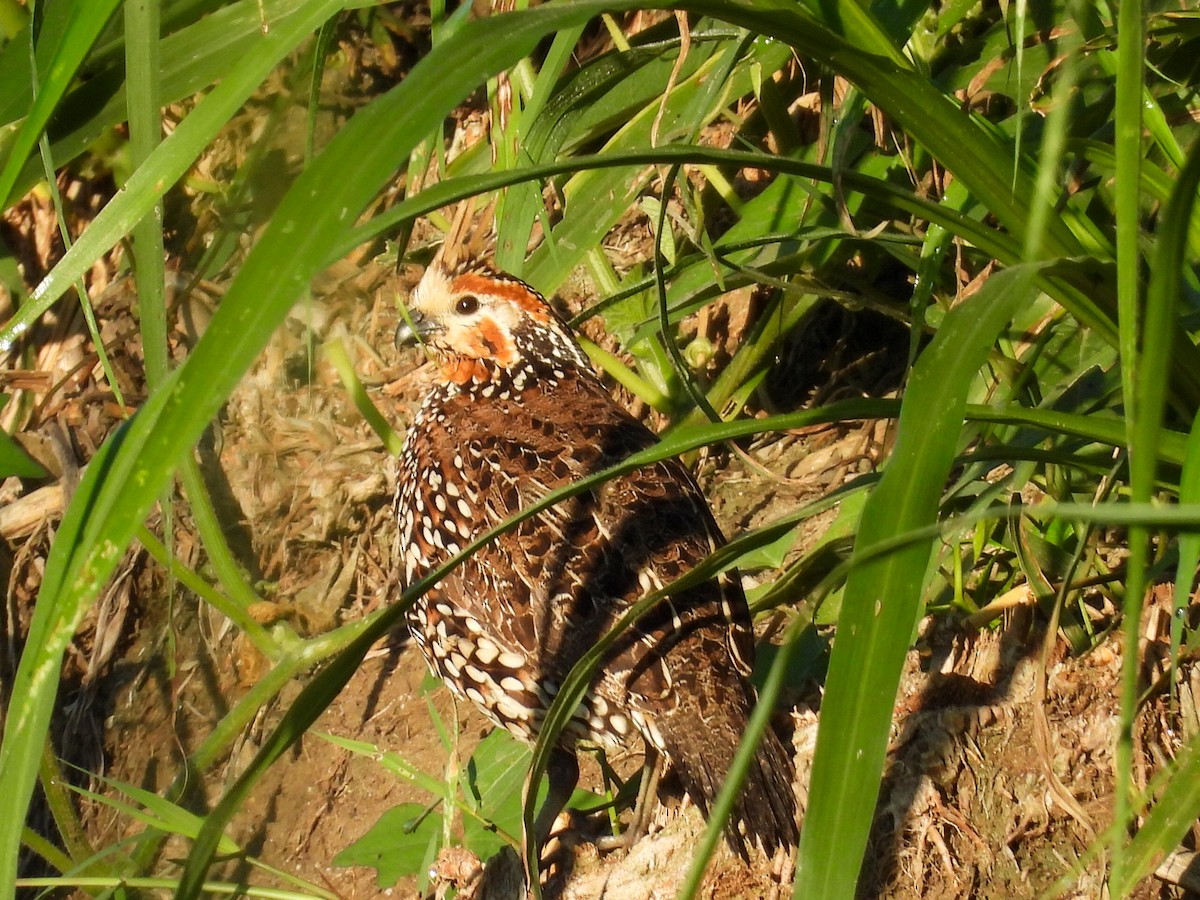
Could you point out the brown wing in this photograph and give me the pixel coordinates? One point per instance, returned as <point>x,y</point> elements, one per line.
<point>549,590</point>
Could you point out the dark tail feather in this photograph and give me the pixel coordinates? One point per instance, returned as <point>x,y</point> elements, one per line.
<point>767,805</point>
<point>765,811</point>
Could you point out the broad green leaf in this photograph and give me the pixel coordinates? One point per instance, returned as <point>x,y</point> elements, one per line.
<point>495,778</point>
<point>403,841</point>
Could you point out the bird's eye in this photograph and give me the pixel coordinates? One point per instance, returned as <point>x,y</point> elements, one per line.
<point>466,305</point>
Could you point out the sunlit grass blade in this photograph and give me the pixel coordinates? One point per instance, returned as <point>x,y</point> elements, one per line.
<point>1167,274</point>
<point>1189,552</point>
<point>882,597</point>
<point>335,351</point>
<point>57,68</point>
<point>170,160</point>
<point>142,25</point>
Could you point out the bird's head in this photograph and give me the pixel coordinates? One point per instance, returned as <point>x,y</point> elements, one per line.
<point>481,322</point>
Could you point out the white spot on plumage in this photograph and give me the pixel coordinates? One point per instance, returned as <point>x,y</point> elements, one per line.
<point>510,708</point>
<point>511,660</point>
<point>486,651</point>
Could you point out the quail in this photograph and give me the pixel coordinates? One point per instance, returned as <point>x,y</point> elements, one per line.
<point>515,411</point>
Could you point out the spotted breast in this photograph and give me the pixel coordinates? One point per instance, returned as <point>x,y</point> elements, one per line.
<point>517,411</point>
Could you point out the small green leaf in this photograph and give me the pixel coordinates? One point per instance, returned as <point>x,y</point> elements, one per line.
<point>15,461</point>
<point>769,556</point>
<point>403,842</point>
<point>495,776</point>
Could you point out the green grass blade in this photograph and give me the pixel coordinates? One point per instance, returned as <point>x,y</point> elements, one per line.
<point>334,350</point>
<point>1167,272</point>
<point>760,721</point>
<point>1103,428</point>
<point>1127,145</point>
<point>142,63</point>
<point>522,205</point>
<point>1189,548</point>
<point>62,63</point>
<point>1170,819</point>
<point>152,810</point>
<point>171,159</point>
<point>15,461</point>
<point>882,597</point>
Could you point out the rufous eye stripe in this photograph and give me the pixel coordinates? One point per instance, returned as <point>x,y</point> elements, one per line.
<point>515,292</point>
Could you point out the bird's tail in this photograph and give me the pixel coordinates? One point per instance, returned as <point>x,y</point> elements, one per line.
<point>701,751</point>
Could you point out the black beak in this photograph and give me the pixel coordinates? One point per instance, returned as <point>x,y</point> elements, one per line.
<point>415,328</point>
